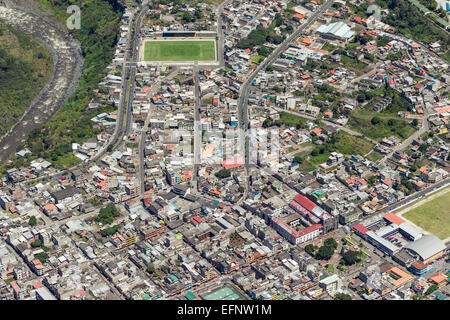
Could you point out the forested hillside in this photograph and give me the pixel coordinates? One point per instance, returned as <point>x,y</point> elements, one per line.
<point>100,22</point>
<point>25,67</point>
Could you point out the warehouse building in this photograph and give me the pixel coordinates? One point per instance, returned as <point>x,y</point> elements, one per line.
<point>336,31</point>
<point>427,248</point>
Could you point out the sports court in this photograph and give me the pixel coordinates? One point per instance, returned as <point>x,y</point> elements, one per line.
<point>222,294</point>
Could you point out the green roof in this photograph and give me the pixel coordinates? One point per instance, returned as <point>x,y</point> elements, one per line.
<point>190,296</point>
<point>222,294</point>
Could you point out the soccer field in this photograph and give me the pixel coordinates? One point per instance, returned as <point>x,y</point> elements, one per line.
<point>433,216</point>
<point>180,50</point>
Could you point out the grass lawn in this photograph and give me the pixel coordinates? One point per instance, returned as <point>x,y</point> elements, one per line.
<point>399,128</point>
<point>291,119</point>
<point>374,156</point>
<point>433,216</point>
<point>180,50</point>
<point>349,144</point>
<point>257,59</point>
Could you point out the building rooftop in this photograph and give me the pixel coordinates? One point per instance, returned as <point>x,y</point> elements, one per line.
<point>427,246</point>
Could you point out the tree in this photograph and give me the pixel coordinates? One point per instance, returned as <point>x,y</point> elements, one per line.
<point>331,243</point>
<point>431,289</point>
<point>42,256</point>
<point>298,158</point>
<point>350,257</point>
<point>324,253</point>
<point>371,180</point>
<point>32,221</point>
<point>36,243</point>
<point>110,231</point>
<point>165,269</point>
<point>310,249</point>
<point>241,189</point>
<point>424,147</point>
<point>107,214</point>
<point>342,296</point>
<point>224,173</point>
<point>150,268</point>
<point>188,17</point>
<point>375,120</point>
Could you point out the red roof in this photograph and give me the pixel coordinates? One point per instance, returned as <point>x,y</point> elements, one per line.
<point>37,285</point>
<point>233,162</point>
<point>438,278</point>
<point>295,233</point>
<point>360,228</point>
<point>392,218</point>
<point>419,265</point>
<point>305,202</point>
<point>196,220</point>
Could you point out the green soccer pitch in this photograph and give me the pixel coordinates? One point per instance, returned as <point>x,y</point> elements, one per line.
<point>180,50</point>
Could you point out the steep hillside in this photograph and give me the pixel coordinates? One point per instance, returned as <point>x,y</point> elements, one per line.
<point>25,67</point>
<point>98,36</point>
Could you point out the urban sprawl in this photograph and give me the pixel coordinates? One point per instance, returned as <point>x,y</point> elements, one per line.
<point>296,164</point>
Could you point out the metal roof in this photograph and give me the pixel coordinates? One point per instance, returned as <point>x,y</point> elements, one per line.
<point>427,246</point>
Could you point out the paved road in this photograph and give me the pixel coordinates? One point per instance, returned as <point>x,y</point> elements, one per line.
<point>243,97</point>
<point>220,42</point>
<point>143,136</point>
<point>197,127</point>
<point>407,200</point>
<point>244,124</point>
<point>128,83</point>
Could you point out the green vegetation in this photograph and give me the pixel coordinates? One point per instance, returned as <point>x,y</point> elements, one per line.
<point>330,268</point>
<point>180,50</point>
<point>110,230</point>
<point>350,257</point>
<point>36,243</point>
<point>165,269</point>
<point>107,214</point>
<point>257,59</point>
<point>410,22</point>
<point>431,289</point>
<point>223,173</point>
<point>287,119</point>
<point>310,249</point>
<point>433,216</point>
<point>150,268</point>
<point>377,128</point>
<point>353,63</point>
<point>98,36</point>
<point>42,256</point>
<point>324,252</point>
<point>342,296</point>
<point>261,35</point>
<point>32,221</point>
<point>341,142</point>
<point>25,68</point>
<point>374,156</point>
